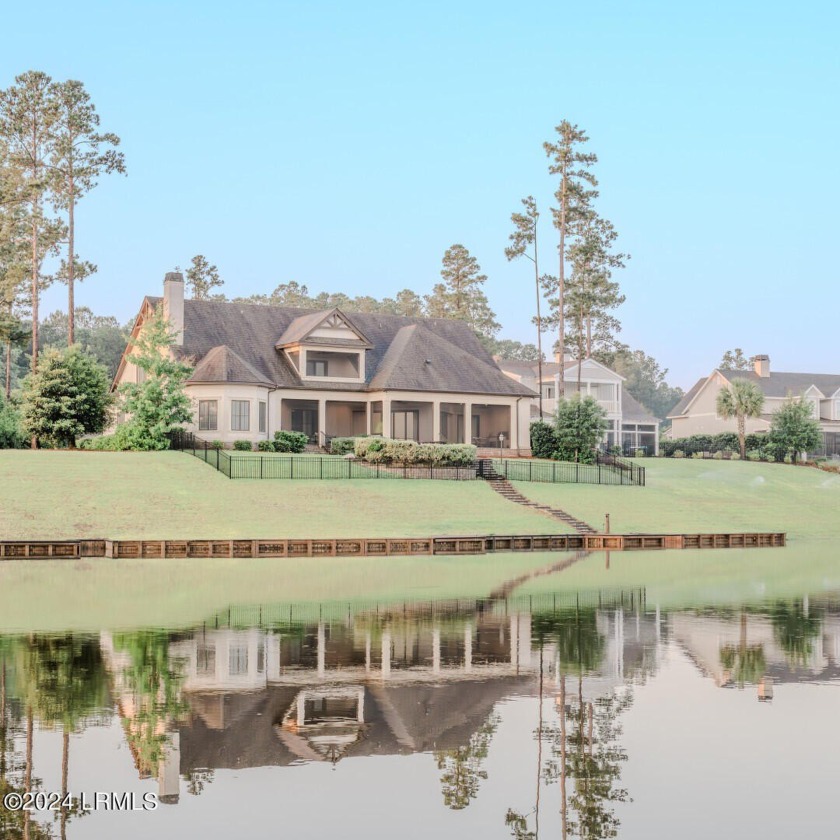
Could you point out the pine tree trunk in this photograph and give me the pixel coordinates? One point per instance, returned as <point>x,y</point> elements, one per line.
<point>563,806</point>
<point>65,766</point>
<point>561,291</point>
<point>71,268</point>
<point>8,368</point>
<point>589,338</point>
<point>539,323</point>
<point>27,776</point>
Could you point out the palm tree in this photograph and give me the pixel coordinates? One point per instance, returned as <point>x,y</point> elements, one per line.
<point>742,399</point>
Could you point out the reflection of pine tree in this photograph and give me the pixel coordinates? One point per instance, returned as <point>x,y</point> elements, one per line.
<point>197,780</point>
<point>585,750</point>
<point>462,767</point>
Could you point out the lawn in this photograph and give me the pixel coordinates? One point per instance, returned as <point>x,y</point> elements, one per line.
<point>682,496</point>
<point>170,495</point>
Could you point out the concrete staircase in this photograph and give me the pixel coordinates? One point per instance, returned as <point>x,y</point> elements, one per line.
<point>504,488</point>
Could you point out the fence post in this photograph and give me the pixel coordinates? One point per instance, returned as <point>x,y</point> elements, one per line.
<point>292,467</point>
<point>599,471</point>
<point>261,466</point>
<point>530,470</point>
<point>577,472</point>
<point>217,459</point>
<point>322,466</point>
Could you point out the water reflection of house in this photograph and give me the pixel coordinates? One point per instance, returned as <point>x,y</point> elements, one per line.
<point>719,646</point>
<point>373,684</point>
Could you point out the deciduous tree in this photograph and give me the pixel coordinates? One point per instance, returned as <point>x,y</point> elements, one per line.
<point>580,424</point>
<point>736,360</point>
<point>793,429</point>
<point>157,404</point>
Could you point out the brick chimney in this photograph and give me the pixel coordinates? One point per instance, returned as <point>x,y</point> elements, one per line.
<point>173,303</point>
<point>762,366</point>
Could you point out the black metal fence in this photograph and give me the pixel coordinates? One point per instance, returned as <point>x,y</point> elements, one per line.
<point>315,467</point>
<point>607,470</point>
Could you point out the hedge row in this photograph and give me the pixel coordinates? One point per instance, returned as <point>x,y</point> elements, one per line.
<point>723,442</point>
<point>387,451</point>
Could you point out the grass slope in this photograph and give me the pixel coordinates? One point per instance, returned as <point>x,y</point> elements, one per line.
<point>170,495</point>
<point>682,496</point>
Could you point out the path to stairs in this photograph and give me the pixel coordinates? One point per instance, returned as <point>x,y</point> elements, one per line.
<point>504,488</point>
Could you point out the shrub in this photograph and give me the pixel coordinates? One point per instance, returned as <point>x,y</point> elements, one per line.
<point>290,441</point>
<point>384,450</point>
<point>718,456</point>
<point>543,440</point>
<point>67,397</point>
<point>11,433</point>
<point>640,453</point>
<point>243,446</point>
<point>342,445</point>
<point>678,453</point>
<point>735,456</point>
<point>265,446</point>
<point>122,440</point>
<point>217,444</point>
<point>697,456</point>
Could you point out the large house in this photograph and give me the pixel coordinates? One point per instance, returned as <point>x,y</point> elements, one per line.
<point>631,426</point>
<point>259,369</point>
<point>697,413</point>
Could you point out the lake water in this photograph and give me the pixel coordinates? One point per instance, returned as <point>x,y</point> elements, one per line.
<point>675,694</point>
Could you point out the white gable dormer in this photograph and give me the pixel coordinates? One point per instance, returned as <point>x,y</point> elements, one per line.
<point>325,347</point>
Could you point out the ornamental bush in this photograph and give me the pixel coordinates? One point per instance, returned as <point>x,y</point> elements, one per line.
<point>217,444</point>
<point>581,424</point>
<point>387,451</point>
<point>266,446</point>
<point>290,441</point>
<point>243,446</point>
<point>342,445</point>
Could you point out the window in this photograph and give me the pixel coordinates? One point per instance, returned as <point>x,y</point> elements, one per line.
<point>238,658</point>
<point>208,415</point>
<point>240,415</point>
<point>140,375</point>
<point>405,425</point>
<point>548,392</point>
<point>263,414</point>
<point>316,367</point>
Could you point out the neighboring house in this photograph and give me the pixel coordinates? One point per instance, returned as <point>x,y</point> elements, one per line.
<point>697,413</point>
<point>631,426</point>
<point>259,369</point>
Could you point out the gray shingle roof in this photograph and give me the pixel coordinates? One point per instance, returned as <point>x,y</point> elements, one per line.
<point>775,386</point>
<point>221,364</point>
<point>780,383</point>
<point>459,362</point>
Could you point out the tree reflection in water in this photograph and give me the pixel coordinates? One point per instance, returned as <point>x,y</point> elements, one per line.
<point>795,629</point>
<point>463,767</point>
<point>584,742</point>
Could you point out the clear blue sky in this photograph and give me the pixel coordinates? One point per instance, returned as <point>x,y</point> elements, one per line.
<point>347,145</point>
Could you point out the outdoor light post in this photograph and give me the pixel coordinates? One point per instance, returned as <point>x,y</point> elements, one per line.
<point>501,441</point>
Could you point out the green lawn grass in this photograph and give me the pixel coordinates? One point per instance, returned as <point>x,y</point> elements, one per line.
<point>682,496</point>
<point>171,495</point>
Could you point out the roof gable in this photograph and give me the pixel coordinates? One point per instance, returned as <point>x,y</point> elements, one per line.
<point>329,325</point>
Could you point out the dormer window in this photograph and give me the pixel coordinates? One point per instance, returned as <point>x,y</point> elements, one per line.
<point>316,367</point>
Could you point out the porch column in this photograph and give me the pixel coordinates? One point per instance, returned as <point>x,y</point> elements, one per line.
<point>322,644</point>
<point>435,421</point>
<point>368,429</point>
<point>278,421</point>
<point>467,423</point>
<point>386,416</point>
<point>386,655</point>
<point>322,422</point>
<point>468,646</point>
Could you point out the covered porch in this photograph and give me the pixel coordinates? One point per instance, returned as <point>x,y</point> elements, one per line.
<point>425,421</point>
